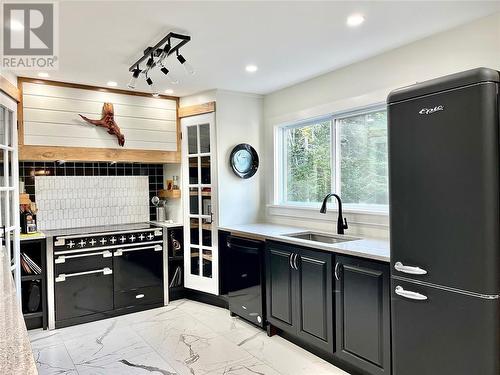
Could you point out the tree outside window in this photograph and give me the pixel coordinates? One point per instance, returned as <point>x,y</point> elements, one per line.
<point>310,150</point>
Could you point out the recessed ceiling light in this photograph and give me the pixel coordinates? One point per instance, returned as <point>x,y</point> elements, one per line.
<point>16,25</point>
<point>355,20</point>
<point>43,75</point>
<point>169,91</point>
<point>251,68</point>
<point>112,84</point>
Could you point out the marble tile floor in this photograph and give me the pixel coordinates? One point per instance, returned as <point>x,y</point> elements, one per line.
<point>184,338</point>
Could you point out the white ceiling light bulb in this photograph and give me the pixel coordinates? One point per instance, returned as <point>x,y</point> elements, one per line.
<point>251,68</point>
<point>355,20</point>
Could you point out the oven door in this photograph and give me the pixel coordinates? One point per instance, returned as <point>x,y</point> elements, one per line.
<point>83,284</point>
<point>138,276</point>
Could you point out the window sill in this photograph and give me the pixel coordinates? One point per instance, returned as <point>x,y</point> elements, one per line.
<point>345,209</point>
<point>310,216</point>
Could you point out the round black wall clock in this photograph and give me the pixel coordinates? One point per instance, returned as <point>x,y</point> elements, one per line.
<point>244,160</point>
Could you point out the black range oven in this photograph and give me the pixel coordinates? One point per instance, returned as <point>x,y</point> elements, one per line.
<point>102,274</point>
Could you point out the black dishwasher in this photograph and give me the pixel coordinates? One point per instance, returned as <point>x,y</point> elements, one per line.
<point>244,264</point>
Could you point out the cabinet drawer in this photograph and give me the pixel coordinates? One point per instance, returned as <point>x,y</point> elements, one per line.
<point>140,296</point>
<point>80,262</point>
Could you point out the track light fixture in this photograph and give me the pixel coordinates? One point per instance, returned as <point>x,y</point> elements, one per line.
<point>150,62</point>
<point>154,92</point>
<point>135,74</point>
<point>171,78</point>
<point>156,56</point>
<point>165,51</point>
<point>186,65</point>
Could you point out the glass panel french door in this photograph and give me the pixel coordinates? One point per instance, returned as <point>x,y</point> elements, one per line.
<point>9,187</point>
<point>198,189</point>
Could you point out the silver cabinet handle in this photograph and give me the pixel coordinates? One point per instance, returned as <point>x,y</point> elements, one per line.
<point>295,261</point>
<point>120,252</point>
<point>409,269</point>
<point>63,276</point>
<point>409,294</point>
<point>337,265</point>
<point>290,260</point>
<point>62,258</point>
<point>139,296</point>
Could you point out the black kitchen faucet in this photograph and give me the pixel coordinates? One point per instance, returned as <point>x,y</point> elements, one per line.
<point>341,222</point>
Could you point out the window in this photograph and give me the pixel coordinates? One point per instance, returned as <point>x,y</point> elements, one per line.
<point>344,154</point>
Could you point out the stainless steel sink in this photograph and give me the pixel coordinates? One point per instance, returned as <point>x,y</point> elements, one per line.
<point>321,237</point>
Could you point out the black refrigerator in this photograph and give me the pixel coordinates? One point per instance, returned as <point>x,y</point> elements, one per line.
<point>444,172</point>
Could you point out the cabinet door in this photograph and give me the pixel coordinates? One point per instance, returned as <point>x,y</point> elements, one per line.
<point>279,285</point>
<point>314,307</point>
<point>362,301</point>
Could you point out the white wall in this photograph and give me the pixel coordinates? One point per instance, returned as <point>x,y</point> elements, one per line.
<point>174,206</point>
<point>368,82</point>
<point>238,120</point>
<point>200,98</point>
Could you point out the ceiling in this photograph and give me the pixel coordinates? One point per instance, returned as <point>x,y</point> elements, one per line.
<point>289,41</point>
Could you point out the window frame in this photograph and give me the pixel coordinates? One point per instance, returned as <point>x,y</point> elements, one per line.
<point>280,193</point>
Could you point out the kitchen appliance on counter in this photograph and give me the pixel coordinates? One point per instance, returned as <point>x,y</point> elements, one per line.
<point>445,225</point>
<point>244,281</point>
<point>102,272</point>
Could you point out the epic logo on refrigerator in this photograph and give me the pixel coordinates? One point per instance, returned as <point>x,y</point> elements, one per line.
<point>428,111</point>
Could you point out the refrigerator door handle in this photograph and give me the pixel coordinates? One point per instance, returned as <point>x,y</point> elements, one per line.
<point>409,294</point>
<point>409,269</point>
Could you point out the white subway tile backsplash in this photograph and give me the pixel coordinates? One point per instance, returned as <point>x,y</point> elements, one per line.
<point>82,201</point>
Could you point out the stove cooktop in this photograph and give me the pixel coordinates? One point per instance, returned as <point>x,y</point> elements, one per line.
<point>107,236</point>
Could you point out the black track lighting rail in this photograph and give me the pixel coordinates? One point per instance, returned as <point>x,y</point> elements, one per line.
<point>156,50</point>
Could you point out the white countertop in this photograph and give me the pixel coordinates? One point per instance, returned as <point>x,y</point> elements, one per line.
<point>370,248</point>
<point>32,236</point>
<point>15,349</point>
<point>166,224</point>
